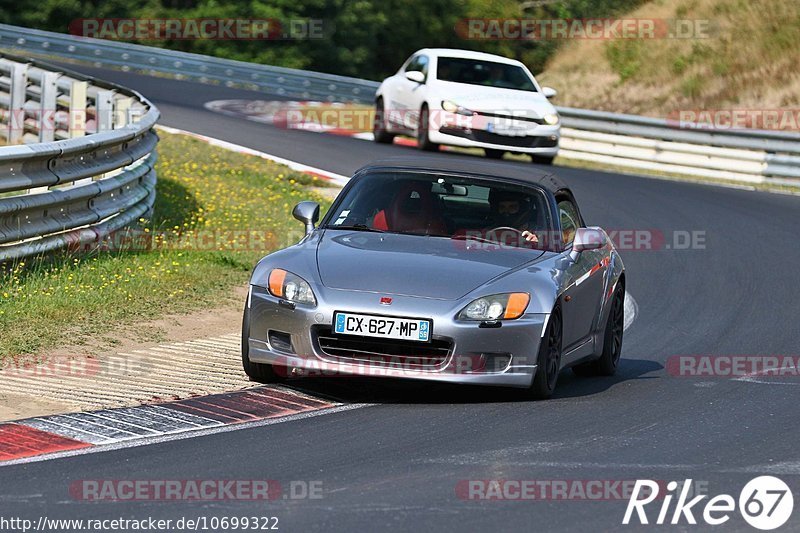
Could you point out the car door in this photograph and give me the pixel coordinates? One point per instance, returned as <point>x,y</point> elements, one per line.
<point>583,279</point>
<point>410,95</point>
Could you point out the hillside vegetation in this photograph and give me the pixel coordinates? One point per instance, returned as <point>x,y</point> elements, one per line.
<point>363,38</point>
<point>748,61</point>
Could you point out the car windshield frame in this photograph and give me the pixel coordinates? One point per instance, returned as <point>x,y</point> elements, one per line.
<point>531,189</point>
<point>531,87</point>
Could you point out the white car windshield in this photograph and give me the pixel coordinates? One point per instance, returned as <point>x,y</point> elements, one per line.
<point>486,73</point>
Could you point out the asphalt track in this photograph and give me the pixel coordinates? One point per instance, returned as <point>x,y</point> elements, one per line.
<point>395,465</point>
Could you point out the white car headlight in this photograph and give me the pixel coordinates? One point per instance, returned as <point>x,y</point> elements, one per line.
<point>551,119</point>
<point>451,107</point>
<point>496,307</point>
<point>283,284</point>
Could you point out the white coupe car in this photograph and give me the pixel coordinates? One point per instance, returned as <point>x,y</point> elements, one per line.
<point>471,99</point>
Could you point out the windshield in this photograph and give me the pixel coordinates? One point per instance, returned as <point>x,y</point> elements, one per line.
<point>487,73</point>
<point>448,206</point>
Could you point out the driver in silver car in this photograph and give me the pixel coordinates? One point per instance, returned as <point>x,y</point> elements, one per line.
<point>510,210</point>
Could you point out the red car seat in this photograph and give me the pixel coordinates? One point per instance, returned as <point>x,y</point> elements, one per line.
<point>413,209</point>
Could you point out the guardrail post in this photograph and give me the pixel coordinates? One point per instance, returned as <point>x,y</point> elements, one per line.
<point>77,115</point>
<point>77,109</point>
<point>46,121</point>
<point>16,108</point>
<point>122,109</point>
<point>47,107</point>
<point>104,110</point>
<point>104,117</point>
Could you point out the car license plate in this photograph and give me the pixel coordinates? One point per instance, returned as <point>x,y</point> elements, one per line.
<point>507,130</point>
<point>387,327</point>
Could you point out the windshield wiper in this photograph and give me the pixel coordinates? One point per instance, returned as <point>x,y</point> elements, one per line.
<point>477,238</point>
<point>356,227</point>
<point>464,237</point>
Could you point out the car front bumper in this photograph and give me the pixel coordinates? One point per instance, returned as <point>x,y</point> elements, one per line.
<point>542,140</point>
<point>502,356</point>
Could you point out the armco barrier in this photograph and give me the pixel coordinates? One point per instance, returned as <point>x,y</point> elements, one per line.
<point>627,141</point>
<point>279,81</point>
<point>78,158</point>
<point>645,143</point>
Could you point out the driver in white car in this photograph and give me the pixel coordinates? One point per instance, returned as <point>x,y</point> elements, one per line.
<point>509,210</point>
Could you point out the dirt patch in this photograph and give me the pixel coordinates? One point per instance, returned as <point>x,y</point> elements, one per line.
<point>17,406</point>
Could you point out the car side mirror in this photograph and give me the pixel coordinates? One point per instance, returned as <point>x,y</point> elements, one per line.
<point>592,238</point>
<point>307,213</point>
<point>549,92</point>
<point>415,76</point>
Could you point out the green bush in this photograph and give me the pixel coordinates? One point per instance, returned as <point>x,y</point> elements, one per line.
<point>624,58</point>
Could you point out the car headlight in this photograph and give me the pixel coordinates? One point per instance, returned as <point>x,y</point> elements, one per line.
<point>450,107</point>
<point>290,287</point>
<point>496,307</point>
<point>551,119</point>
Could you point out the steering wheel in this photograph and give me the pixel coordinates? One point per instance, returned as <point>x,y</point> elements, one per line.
<point>505,228</point>
<point>525,242</point>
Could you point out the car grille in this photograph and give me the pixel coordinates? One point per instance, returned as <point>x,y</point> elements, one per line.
<point>510,117</point>
<point>530,141</point>
<point>384,352</point>
<point>507,140</point>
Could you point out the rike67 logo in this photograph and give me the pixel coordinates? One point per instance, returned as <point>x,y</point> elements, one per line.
<point>765,503</point>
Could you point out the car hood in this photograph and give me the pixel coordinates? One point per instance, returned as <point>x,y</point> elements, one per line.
<point>494,100</point>
<point>411,265</point>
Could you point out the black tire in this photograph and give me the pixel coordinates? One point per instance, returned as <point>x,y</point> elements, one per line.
<point>259,372</point>
<point>379,130</point>
<point>422,131</point>
<point>542,160</point>
<point>608,362</point>
<point>548,360</point>
<point>493,153</point>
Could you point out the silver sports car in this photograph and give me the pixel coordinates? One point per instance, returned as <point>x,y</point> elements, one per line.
<point>475,273</point>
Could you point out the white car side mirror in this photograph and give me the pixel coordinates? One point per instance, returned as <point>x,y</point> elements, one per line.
<point>549,92</point>
<point>415,76</point>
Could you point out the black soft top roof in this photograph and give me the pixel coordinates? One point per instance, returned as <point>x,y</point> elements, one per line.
<point>479,167</point>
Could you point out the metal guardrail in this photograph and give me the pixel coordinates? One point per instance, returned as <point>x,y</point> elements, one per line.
<point>78,161</point>
<point>627,141</point>
<point>286,82</point>
<point>631,141</point>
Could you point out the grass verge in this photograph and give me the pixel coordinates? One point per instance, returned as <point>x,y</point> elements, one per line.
<point>217,212</point>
